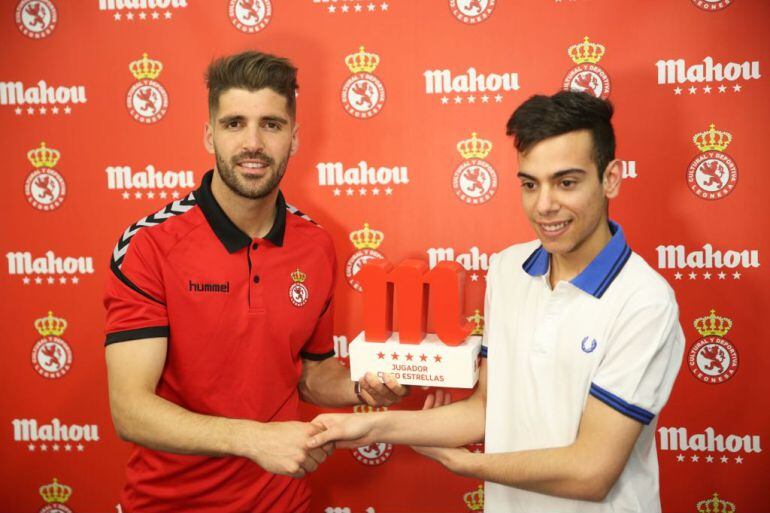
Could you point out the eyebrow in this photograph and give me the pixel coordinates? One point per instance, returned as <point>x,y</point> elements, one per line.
<point>556,175</point>
<point>237,117</point>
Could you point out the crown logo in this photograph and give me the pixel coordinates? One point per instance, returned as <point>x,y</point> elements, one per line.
<point>586,52</point>
<point>715,505</point>
<point>366,238</point>
<point>474,147</point>
<point>478,319</point>
<point>55,493</point>
<point>145,68</point>
<point>713,325</point>
<point>51,325</point>
<point>362,61</point>
<point>298,276</point>
<point>43,157</point>
<point>475,499</point>
<point>365,408</point>
<point>712,139</point>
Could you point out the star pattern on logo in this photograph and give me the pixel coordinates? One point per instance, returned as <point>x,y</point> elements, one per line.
<point>362,191</point>
<point>708,275</point>
<point>358,7</point>
<point>50,280</point>
<point>708,458</point>
<point>55,447</point>
<point>142,15</point>
<point>423,358</point>
<point>722,88</point>
<point>42,110</point>
<point>471,98</point>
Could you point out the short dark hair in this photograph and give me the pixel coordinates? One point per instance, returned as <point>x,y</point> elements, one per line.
<point>541,117</point>
<point>252,71</point>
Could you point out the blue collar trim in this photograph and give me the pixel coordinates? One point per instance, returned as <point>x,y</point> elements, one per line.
<point>596,278</point>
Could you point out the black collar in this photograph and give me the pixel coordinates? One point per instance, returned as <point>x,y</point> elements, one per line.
<point>231,236</point>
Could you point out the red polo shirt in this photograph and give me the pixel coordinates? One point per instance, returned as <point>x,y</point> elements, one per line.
<point>240,314</point>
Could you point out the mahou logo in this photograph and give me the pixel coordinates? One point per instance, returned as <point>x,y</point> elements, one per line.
<point>472,11</point>
<point>51,355</point>
<point>474,261</point>
<point>55,496</point>
<point>470,87</point>
<point>712,358</point>
<point>50,269</point>
<point>44,188</point>
<point>712,174</point>
<point>375,453</point>
<point>352,6</point>
<point>41,98</point>
<point>361,180</point>
<point>712,5</point>
<point>36,19</point>
<point>363,94</point>
<point>587,76</point>
<point>716,76</point>
<point>366,242</point>
<point>54,437</point>
<point>147,99</point>
<point>149,182</point>
<point>715,505</point>
<point>709,446</point>
<point>141,10</point>
<point>474,180</point>
<point>715,262</point>
<point>250,16</point>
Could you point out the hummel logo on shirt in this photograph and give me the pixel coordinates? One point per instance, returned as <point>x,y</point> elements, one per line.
<point>223,288</point>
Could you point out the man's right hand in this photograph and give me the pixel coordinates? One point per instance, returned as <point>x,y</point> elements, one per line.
<point>347,430</point>
<point>282,447</point>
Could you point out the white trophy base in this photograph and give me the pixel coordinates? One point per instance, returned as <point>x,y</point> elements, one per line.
<point>430,363</point>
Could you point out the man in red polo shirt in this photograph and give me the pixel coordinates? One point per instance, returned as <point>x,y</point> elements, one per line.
<point>219,319</point>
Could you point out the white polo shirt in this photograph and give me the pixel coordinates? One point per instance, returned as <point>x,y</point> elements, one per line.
<point>612,332</point>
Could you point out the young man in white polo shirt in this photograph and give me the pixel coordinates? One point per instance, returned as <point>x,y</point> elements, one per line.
<point>582,339</point>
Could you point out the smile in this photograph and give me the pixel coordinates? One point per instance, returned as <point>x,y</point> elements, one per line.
<point>253,164</point>
<point>554,228</point>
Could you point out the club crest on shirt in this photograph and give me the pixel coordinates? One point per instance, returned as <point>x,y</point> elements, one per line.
<point>36,19</point>
<point>298,293</point>
<point>375,453</point>
<point>55,495</point>
<point>588,344</point>
<point>366,242</point>
<point>474,180</point>
<point>45,188</point>
<point>712,174</point>
<point>250,16</point>
<point>147,99</point>
<point>712,358</point>
<point>363,94</point>
<point>51,355</point>
<point>587,76</point>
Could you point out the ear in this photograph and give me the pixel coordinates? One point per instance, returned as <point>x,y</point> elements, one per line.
<point>294,140</point>
<point>208,137</point>
<point>611,180</point>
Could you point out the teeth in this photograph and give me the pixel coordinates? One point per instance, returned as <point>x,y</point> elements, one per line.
<point>554,227</point>
<point>252,165</point>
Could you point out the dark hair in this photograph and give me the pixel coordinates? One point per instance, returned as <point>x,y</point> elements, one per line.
<point>252,71</point>
<point>541,117</point>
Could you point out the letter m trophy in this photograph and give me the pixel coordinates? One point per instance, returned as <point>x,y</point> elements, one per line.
<point>406,296</point>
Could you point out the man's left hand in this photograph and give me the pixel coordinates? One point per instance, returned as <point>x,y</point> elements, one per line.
<point>381,393</point>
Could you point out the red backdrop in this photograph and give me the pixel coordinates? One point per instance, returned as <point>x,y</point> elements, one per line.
<point>434,72</point>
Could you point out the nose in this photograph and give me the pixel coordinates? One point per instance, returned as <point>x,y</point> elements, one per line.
<point>546,203</point>
<point>252,140</point>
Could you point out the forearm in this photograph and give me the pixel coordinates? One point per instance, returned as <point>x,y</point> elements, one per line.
<point>562,472</point>
<point>453,425</point>
<point>151,421</point>
<point>327,384</point>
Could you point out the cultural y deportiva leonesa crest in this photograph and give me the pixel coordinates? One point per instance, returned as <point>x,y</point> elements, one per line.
<point>147,99</point>
<point>363,94</point>
<point>712,174</point>
<point>36,19</point>
<point>44,188</point>
<point>474,180</point>
<point>250,16</point>
<point>587,76</point>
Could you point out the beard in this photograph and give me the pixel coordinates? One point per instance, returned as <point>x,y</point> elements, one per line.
<point>251,187</point>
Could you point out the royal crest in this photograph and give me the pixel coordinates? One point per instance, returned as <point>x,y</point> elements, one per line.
<point>36,19</point>
<point>250,16</point>
<point>366,242</point>
<point>55,495</point>
<point>472,11</point>
<point>474,180</point>
<point>45,188</point>
<point>298,293</point>
<point>587,76</point>
<point>712,174</point>
<point>51,355</point>
<point>715,505</point>
<point>474,500</point>
<point>363,94</point>
<point>147,99</point>
<point>712,358</point>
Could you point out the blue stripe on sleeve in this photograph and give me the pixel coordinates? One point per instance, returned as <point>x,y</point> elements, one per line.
<point>483,352</point>
<point>615,402</point>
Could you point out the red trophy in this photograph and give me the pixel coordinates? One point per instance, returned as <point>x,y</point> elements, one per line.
<point>408,294</point>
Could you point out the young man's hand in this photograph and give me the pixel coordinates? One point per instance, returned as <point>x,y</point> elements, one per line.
<point>345,430</point>
<point>283,448</point>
